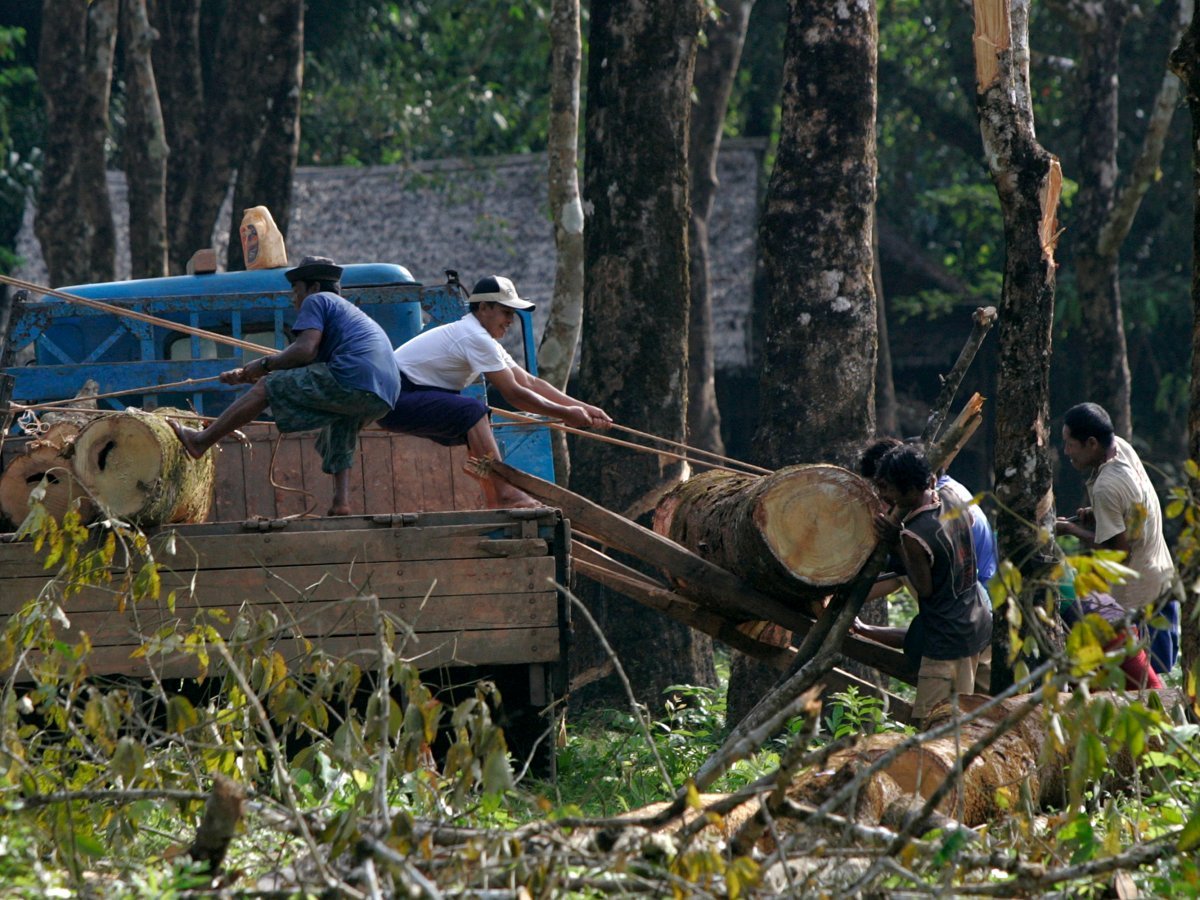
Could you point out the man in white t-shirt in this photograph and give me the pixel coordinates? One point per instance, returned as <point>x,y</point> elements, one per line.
<point>1124,515</point>
<point>437,364</point>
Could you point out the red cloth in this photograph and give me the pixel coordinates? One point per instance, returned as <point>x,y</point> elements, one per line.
<point>1138,673</point>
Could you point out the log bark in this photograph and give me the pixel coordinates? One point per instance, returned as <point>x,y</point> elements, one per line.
<point>44,458</point>
<point>135,467</point>
<point>799,533</point>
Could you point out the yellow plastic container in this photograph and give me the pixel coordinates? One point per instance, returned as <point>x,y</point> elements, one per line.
<point>262,244</point>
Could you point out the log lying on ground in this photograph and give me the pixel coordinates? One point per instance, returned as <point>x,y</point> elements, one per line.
<point>800,532</point>
<point>45,458</point>
<point>136,468</point>
<point>990,784</point>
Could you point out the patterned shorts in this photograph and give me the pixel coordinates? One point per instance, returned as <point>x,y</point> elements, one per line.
<point>311,399</point>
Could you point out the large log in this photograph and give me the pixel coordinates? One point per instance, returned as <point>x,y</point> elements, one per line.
<point>135,467</point>
<point>44,459</point>
<point>800,532</point>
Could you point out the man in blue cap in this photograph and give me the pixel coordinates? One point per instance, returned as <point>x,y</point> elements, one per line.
<point>336,376</point>
<point>437,364</point>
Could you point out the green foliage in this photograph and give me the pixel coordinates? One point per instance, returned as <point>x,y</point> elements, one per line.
<point>853,713</point>
<point>405,81</point>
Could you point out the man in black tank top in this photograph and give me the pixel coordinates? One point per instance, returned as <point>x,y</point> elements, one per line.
<point>936,556</point>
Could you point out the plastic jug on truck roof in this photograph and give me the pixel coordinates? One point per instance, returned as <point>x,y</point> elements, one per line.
<point>262,244</point>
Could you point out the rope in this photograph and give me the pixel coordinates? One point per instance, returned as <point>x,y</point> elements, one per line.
<point>134,314</point>
<point>690,455</point>
<point>153,389</point>
<point>618,442</point>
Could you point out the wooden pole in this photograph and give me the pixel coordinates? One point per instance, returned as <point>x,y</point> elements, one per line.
<point>984,318</point>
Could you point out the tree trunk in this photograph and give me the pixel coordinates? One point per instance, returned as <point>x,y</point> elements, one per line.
<point>799,533</point>
<point>44,458</point>
<point>634,360</point>
<point>1028,181</point>
<point>815,243</point>
<point>1185,62</point>
<point>556,354</point>
<point>267,164</point>
<point>144,148</point>
<point>887,413</point>
<point>74,216</point>
<point>181,88</point>
<point>135,467</point>
<point>716,66</point>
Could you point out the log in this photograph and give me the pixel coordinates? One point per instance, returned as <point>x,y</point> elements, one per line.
<point>135,467</point>
<point>45,458</point>
<point>799,533</point>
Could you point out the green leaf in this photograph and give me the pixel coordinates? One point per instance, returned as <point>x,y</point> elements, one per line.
<point>1189,837</point>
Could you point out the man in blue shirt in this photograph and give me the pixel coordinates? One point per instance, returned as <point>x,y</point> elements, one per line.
<point>336,376</point>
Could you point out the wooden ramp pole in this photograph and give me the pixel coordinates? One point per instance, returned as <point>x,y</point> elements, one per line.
<point>696,578</point>
<point>616,576</point>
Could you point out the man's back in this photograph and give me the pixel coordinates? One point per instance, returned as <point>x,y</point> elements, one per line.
<point>1124,500</point>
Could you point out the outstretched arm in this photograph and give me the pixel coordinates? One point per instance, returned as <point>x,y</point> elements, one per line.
<point>529,400</point>
<point>299,352</point>
<point>541,387</point>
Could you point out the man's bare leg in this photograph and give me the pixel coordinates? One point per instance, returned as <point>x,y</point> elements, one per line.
<point>244,409</point>
<point>500,494</point>
<point>341,494</point>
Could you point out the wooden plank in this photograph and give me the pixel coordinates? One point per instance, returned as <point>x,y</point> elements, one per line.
<point>357,495</point>
<point>316,483</point>
<point>468,492</point>
<point>320,582</point>
<point>467,648</point>
<point>290,499</point>
<point>695,577</point>
<point>321,619</point>
<point>406,489</point>
<point>256,461</point>
<point>378,489</point>
<point>229,486</point>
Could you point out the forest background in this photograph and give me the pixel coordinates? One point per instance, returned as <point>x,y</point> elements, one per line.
<point>398,82</point>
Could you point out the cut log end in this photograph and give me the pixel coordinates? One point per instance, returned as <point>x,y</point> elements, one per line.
<point>134,465</point>
<point>44,462</point>
<point>817,520</point>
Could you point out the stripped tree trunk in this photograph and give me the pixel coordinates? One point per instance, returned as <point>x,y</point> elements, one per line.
<point>716,66</point>
<point>135,467</point>
<point>1185,62</point>
<point>818,378</point>
<point>74,215</point>
<point>144,148</point>
<point>634,357</point>
<point>556,354</point>
<point>1028,181</point>
<point>801,532</point>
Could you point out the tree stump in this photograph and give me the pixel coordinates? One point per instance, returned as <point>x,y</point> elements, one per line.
<point>45,457</point>
<point>135,467</point>
<point>800,532</point>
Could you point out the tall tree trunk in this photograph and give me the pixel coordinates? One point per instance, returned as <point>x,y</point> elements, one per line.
<point>145,147</point>
<point>818,378</point>
<point>634,360</point>
<point>179,73</point>
<point>1028,181</point>
<point>1185,62</point>
<point>887,413</point>
<point>556,354</point>
<point>74,220</point>
<point>716,66</point>
<point>815,243</point>
<point>267,165</point>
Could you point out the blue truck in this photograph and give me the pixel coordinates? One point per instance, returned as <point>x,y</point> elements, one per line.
<point>473,589</point>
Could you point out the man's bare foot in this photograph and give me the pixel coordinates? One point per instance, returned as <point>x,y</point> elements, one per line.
<point>187,437</point>
<point>338,510</point>
<point>509,497</point>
